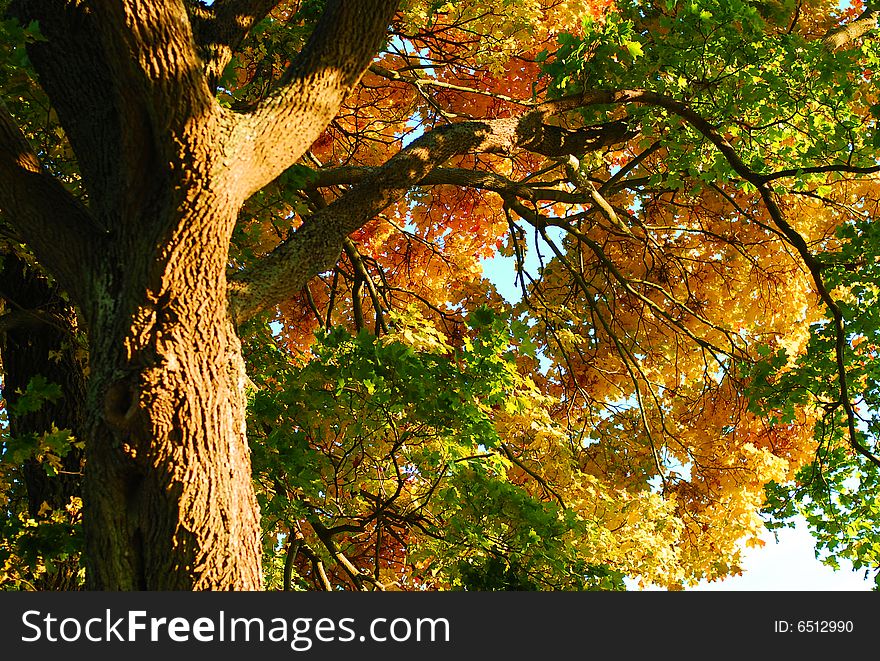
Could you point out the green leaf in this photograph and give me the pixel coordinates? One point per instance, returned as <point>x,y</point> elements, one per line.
<point>634,48</point>
<point>38,391</point>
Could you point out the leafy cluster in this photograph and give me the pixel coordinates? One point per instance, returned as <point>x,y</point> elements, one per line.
<point>688,300</point>
<point>836,491</point>
<point>389,453</point>
<point>34,544</point>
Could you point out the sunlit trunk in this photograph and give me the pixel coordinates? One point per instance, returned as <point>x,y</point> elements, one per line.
<point>169,500</point>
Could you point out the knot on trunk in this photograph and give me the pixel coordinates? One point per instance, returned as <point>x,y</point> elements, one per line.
<point>121,404</point>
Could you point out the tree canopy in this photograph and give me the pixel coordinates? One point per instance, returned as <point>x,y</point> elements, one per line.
<point>532,295</point>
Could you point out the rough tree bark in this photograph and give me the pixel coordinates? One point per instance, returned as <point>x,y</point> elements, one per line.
<point>168,497</point>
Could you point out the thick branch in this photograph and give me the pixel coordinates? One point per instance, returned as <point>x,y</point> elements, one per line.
<point>54,224</point>
<point>820,169</point>
<point>74,72</point>
<point>841,36</point>
<point>353,174</point>
<point>152,51</point>
<point>621,97</point>
<point>572,168</point>
<point>127,85</point>
<point>283,126</point>
<point>220,29</point>
<point>316,246</point>
<point>556,142</point>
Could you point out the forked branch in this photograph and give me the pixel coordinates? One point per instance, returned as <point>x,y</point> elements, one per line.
<point>54,224</point>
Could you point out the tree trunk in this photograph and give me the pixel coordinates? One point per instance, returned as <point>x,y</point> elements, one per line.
<point>168,499</point>
<point>168,496</point>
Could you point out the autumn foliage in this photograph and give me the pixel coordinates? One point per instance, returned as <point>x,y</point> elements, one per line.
<point>611,355</point>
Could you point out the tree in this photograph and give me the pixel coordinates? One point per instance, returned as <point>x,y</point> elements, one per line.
<point>209,185</point>
<point>43,379</point>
